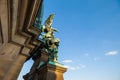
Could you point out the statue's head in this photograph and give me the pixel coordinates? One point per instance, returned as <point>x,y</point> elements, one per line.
<point>48,36</point>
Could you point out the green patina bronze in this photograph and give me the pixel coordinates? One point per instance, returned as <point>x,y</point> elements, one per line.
<point>50,43</point>
<point>38,20</point>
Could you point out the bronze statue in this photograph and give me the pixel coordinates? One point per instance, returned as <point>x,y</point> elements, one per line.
<point>54,50</point>
<point>50,43</point>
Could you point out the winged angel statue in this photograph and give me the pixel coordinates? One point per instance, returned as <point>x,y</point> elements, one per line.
<point>50,42</point>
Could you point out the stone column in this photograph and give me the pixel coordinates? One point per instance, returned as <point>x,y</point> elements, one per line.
<point>15,68</point>
<point>8,55</point>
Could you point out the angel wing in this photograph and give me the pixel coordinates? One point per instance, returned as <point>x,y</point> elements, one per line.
<point>48,22</point>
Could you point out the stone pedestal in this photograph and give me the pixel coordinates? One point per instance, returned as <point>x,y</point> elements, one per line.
<point>51,71</point>
<point>43,69</point>
<point>40,59</point>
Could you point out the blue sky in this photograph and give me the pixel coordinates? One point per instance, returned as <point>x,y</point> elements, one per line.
<point>89,31</point>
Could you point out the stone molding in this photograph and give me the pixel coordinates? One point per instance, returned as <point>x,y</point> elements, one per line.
<point>17,18</point>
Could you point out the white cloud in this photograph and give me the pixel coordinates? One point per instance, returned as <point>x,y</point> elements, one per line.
<point>67,61</point>
<point>96,58</point>
<point>70,68</point>
<point>82,66</point>
<point>111,53</point>
<point>78,67</point>
<point>86,54</point>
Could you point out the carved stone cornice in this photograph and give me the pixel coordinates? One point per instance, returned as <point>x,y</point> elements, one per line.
<point>17,18</point>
